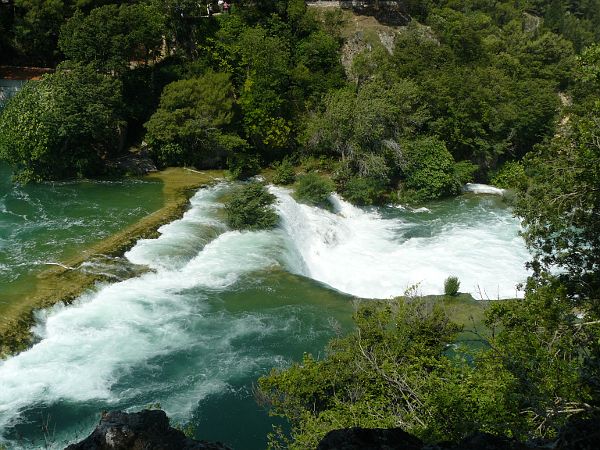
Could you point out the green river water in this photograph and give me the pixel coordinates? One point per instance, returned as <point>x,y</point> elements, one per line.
<point>52,222</point>
<point>219,308</point>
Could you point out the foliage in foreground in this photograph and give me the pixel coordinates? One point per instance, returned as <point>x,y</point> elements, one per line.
<point>314,189</point>
<point>360,382</point>
<point>62,126</point>
<point>250,207</point>
<point>395,370</point>
<point>561,205</point>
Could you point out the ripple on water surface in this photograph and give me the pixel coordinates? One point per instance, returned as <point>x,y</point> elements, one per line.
<point>221,307</point>
<point>49,222</point>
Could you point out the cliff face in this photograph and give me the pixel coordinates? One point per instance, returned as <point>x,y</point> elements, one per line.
<point>147,429</point>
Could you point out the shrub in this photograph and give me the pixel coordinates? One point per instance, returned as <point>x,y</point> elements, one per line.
<point>250,208</point>
<point>317,164</point>
<point>363,191</point>
<point>243,165</point>
<point>314,189</point>
<point>284,172</point>
<point>429,169</point>
<point>168,155</point>
<point>510,176</point>
<point>464,171</point>
<point>451,286</point>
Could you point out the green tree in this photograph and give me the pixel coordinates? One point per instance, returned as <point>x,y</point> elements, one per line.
<point>265,59</point>
<point>190,124</point>
<point>560,206</point>
<point>428,169</point>
<point>36,29</point>
<point>249,207</point>
<point>483,113</point>
<point>62,126</point>
<point>113,37</point>
<point>354,123</point>
<point>463,33</point>
<point>549,354</point>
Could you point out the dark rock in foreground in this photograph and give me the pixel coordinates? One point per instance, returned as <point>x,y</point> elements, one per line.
<point>369,438</point>
<point>581,434</point>
<point>397,439</point>
<point>144,430</point>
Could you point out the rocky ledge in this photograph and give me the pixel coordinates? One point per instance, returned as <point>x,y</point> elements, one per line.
<point>578,434</point>
<point>144,430</point>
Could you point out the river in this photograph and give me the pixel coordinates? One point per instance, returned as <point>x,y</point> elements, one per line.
<point>222,307</point>
<point>8,88</point>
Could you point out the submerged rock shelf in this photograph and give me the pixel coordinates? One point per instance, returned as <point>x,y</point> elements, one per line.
<point>63,282</point>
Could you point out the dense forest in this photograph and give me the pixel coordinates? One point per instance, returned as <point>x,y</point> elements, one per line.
<point>506,92</point>
<point>466,88</point>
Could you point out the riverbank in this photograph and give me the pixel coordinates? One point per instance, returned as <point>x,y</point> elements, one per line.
<point>65,282</point>
<point>24,73</point>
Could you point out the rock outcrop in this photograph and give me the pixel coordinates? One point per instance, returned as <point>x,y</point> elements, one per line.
<point>132,164</point>
<point>577,435</point>
<point>398,439</point>
<point>144,430</point>
<point>369,438</point>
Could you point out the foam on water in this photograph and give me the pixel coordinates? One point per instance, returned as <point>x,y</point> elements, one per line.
<point>115,344</point>
<point>86,348</point>
<point>181,239</point>
<point>360,253</point>
<point>478,188</point>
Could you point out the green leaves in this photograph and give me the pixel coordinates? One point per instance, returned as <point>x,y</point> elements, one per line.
<point>314,189</point>
<point>561,203</point>
<point>111,37</point>
<point>193,115</point>
<point>375,377</point>
<point>250,208</point>
<point>428,169</point>
<point>62,126</point>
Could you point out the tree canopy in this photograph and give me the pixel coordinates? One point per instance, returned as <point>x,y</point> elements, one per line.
<point>188,127</point>
<point>62,126</point>
<point>112,37</point>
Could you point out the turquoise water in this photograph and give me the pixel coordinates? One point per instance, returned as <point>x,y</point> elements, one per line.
<point>8,88</point>
<point>42,224</point>
<point>222,307</point>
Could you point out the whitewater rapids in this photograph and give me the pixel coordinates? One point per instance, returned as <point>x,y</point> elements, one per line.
<point>363,254</point>
<point>116,345</point>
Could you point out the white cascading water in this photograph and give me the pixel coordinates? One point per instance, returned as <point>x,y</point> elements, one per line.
<point>86,349</point>
<point>362,254</point>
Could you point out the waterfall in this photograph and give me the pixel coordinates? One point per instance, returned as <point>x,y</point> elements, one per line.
<point>364,254</point>
<point>85,349</point>
<point>170,335</point>
<point>8,88</point>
